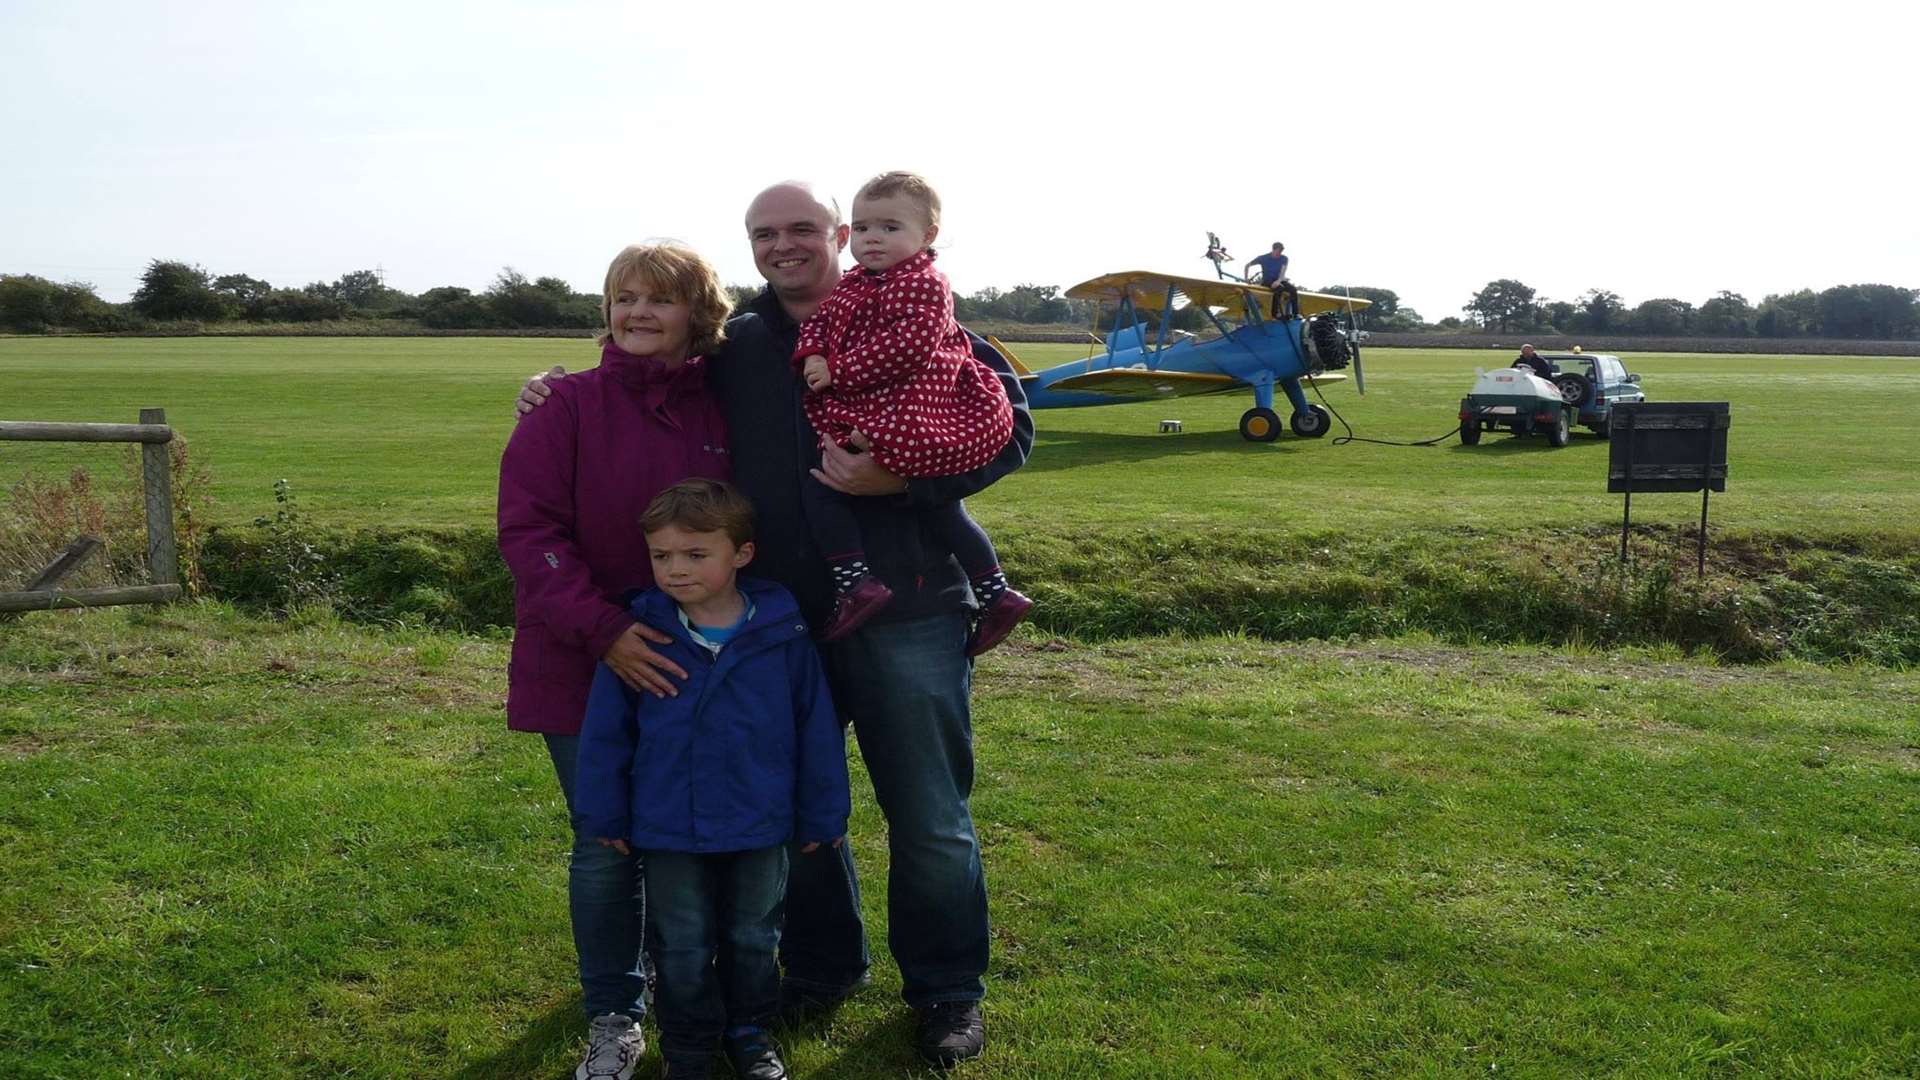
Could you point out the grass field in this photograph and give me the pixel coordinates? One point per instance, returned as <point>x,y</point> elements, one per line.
<point>408,431</point>
<point>232,848</point>
<point>239,847</point>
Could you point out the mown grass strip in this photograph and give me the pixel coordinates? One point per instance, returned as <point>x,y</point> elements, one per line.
<point>243,848</point>
<point>373,432</point>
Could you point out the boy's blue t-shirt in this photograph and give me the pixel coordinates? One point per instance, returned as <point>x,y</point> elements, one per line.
<point>715,638</point>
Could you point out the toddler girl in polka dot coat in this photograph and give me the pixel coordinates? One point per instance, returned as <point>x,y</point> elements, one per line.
<point>890,372</point>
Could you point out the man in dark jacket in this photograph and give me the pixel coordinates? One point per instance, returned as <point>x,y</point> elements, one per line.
<point>1534,362</point>
<point>902,681</point>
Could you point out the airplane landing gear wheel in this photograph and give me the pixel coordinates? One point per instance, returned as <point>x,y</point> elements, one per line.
<point>1313,423</point>
<point>1260,425</point>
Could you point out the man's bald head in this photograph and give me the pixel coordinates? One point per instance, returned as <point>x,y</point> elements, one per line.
<point>797,237</point>
<point>790,194</point>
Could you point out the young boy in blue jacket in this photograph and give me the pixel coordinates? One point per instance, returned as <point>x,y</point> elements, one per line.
<point>711,785</point>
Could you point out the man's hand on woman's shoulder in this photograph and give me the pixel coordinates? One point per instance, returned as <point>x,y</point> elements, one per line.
<point>536,391</point>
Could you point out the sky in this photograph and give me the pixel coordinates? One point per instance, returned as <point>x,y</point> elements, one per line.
<point>1655,149</point>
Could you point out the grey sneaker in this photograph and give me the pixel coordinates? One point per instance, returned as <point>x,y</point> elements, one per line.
<point>614,1046</point>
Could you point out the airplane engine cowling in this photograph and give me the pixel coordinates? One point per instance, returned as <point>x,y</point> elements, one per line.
<point>1326,343</point>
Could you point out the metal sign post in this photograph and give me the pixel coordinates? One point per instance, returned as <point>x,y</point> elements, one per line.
<point>1668,446</point>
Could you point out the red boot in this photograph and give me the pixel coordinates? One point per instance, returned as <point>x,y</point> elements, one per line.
<point>856,606</point>
<point>997,621</point>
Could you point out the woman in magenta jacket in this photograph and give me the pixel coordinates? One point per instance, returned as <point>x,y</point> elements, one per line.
<point>573,483</point>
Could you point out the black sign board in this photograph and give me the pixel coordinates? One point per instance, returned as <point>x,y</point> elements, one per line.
<point>1668,446</point>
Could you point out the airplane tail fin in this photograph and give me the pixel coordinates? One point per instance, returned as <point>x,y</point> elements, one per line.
<point>1131,337</point>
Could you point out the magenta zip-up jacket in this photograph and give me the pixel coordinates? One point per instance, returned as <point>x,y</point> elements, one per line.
<point>574,479</point>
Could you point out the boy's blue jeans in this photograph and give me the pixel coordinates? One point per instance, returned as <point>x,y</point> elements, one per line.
<point>904,687</point>
<point>716,928</point>
<point>608,907</point>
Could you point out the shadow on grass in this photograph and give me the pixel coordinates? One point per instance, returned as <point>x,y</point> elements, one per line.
<point>527,1055</point>
<point>885,1049</point>
<point>1503,443</point>
<point>882,1050</point>
<point>1071,449</point>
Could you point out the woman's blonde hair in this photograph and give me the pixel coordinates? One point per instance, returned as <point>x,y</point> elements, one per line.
<point>678,271</point>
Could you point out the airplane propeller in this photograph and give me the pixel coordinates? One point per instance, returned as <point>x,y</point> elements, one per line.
<point>1353,340</point>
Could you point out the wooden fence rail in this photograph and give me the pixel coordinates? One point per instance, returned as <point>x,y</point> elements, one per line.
<point>156,483</point>
<point>42,431</point>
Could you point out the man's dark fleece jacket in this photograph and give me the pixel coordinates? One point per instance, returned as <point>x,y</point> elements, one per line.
<point>773,447</point>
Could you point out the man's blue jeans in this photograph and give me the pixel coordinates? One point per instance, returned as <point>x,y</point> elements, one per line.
<point>716,927</point>
<point>904,687</point>
<point>608,907</point>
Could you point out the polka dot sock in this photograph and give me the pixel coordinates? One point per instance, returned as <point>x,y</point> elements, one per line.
<point>847,572</point>
<point>988,586</point>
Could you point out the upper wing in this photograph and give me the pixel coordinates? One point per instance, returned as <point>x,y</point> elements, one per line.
<point>1148,290</point>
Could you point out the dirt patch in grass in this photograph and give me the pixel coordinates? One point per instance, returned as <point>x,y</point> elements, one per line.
<point>23,744</point>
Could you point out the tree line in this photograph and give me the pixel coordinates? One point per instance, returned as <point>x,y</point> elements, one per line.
<point>172,292</point>
<point>1861,312</point>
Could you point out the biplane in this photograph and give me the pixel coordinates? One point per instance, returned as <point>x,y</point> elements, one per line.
<point>1266,339</point>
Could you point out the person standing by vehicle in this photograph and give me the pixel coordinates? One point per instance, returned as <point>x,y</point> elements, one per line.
<point>1539,365</point>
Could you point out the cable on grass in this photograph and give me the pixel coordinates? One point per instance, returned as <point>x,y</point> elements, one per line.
<point>1350,437</point>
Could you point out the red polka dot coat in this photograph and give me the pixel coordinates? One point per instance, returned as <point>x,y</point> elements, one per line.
<point>904,373</point>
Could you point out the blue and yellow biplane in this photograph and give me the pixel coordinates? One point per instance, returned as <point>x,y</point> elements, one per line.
<point>1262,342</point>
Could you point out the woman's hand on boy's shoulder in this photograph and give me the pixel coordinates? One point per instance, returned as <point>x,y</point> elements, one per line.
<point>645,671</point>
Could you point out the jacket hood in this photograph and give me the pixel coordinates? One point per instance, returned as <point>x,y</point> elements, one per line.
<point>772,605</point>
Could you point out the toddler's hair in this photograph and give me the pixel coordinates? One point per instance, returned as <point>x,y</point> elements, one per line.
<point>912,185</point>
<point>701,505</point>
<point>678,271</point>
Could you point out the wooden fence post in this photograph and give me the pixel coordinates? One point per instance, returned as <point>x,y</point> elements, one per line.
<point>163,557</point>
<point>156,482</point>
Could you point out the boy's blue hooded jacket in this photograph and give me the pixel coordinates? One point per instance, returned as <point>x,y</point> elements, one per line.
<point>749,755</point>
